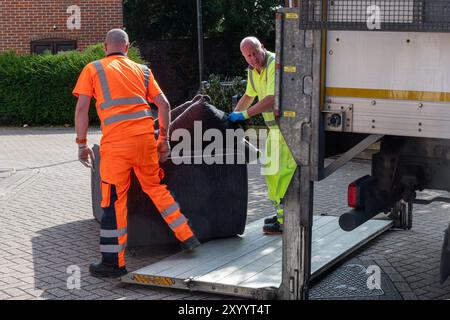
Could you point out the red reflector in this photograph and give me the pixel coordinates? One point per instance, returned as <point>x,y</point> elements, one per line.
<point>352,195</point>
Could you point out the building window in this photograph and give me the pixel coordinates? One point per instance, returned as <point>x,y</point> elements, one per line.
<point>52,45</point>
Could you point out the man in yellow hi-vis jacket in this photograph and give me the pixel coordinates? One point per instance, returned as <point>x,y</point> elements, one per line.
<point>261,84</point>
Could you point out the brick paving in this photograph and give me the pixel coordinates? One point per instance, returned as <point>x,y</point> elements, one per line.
<point>47,226</point>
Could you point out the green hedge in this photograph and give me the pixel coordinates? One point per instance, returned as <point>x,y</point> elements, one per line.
<point>221,92</point>
<point>37,89</point>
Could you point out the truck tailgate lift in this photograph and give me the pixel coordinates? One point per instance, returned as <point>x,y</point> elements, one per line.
<point>250,266</point>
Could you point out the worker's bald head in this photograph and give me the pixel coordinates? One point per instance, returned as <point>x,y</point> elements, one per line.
<point>253,52</point>
<point>117,41</point>
<point>252,42</point>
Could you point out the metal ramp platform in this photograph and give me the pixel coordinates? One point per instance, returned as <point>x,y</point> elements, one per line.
<point>249,266</point>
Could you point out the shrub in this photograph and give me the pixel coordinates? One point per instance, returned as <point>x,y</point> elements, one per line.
<point>222,92</point>
<point>37,89</point>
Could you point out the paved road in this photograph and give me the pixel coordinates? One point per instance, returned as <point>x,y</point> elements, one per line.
<point>47,226</point>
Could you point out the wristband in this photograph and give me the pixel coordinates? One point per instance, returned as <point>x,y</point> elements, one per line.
<point>162,135</point>
<point>81,141</point>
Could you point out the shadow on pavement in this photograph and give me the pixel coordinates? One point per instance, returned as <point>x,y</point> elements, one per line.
<point>38,131</point>
<point>61,257</point>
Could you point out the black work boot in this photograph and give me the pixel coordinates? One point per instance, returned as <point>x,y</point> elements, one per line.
<point>102,270</point>
<point>190,244</point>
<point>271,220</point>
<point>273,228</point>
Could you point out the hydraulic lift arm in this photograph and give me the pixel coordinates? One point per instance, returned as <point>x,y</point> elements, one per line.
<point>299,84</point>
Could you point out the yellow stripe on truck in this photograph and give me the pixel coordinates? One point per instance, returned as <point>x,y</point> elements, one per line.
<point>389,94</point>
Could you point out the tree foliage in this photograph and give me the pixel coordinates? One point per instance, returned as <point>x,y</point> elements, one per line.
<point>229,20</point>
<point>177,19</point>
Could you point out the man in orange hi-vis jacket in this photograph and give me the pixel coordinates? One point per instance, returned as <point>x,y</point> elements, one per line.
<point>122,89</point>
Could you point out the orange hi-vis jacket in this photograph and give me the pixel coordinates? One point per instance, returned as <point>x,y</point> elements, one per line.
<point>121,89</point>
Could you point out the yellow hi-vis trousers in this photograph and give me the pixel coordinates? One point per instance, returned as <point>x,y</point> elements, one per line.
<point>279,167</point>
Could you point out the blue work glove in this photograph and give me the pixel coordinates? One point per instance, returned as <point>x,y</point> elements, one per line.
<point>238,116</point>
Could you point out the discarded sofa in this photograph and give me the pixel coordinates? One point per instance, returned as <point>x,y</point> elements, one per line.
<point>213,197</point>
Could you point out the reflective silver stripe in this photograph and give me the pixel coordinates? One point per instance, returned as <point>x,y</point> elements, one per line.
<point>122,102</point>
<point>108,101</point>
<point>178,222</point>
<point>113,233</point>
<point>269,60</point>
<point>167,212</point>
<point>146,75</point>
<point>128,116</point>
<point>112,248</point>
<point>250,76</point>
<point>102,78</point>
<point>271,123</point>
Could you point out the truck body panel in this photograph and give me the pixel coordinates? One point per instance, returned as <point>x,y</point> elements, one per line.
<point>392,83</point>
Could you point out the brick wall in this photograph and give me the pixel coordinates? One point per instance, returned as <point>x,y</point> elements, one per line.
<point>27,20</point>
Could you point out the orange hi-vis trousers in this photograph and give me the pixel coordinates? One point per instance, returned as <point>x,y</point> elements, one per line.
<point>117,159</point>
